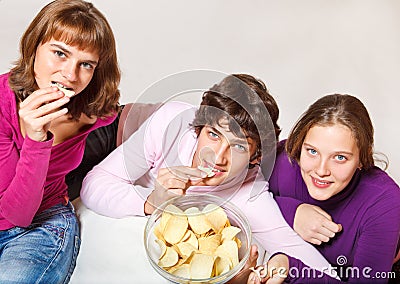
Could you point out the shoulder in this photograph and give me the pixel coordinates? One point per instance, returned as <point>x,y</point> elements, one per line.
<point>8,105</point>
<point>174,107</point>
<point>174,111</point>
<point>282,162</point>
<point>376,179</point>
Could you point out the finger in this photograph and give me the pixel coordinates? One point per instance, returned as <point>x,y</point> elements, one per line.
<point>326,232</point>
<point>252,260</point>
<point>332,227</point>
<point>176,191</point>
<point>166,174</point>
<point>323,213</point>
<point>191,173</point>
<point>173,183</point>
<point>42,96</point>
<point>322,238</point>
<point>315,241</point>
<point>253,279</point>
<point>51,107</point>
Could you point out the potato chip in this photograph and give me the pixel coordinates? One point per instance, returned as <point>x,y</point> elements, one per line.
<point>163,247</point>
<point>222,253</point>
<point>192,240</point>
<point>208,245</point>
<point>176,225</point>
<point>228,233</point>
<point>231,248</point>
<point>169,259</point>
<point>185,249</point>
<point>208,170</point>
<point>222,265</point>
<point>197,244</point>
<point>197,221</point>
<point>181,271</point>
<point>201,266</point>
<point>175,229</point>
<point>216,216</point>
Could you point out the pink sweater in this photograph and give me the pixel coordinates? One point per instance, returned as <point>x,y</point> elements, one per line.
<point>32,175</point>
<point>119,186</point>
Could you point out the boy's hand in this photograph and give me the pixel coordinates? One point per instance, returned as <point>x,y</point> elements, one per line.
<point>171,182</point>
<point>243,275</point>
<point>39,109</point>
<point>274,272</point>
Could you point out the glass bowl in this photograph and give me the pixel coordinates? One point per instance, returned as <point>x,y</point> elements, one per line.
<point>235,217</point>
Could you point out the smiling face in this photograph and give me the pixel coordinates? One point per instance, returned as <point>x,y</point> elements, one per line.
<point>65,65</point>
<point>220,149</point>
<point>328,160</point>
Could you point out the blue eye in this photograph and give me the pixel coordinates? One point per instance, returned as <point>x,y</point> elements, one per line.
<point>212,134</point>
<point>341,158</point>
<point>312,151</point>
<point>240,147</point>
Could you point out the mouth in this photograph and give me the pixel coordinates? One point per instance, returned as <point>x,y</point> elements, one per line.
<point>209,170</point>
<point>57,84</point>
<point>66,90</point>
<point>320,183</point>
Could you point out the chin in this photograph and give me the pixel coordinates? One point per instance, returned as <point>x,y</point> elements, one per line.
<point>320,196</point>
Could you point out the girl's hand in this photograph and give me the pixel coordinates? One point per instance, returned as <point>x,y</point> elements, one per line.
<point>39,109</point>
<point>170,183</point>
<point>314,225</point>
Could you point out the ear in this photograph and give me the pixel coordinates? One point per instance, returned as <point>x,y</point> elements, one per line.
<point>256,161</point>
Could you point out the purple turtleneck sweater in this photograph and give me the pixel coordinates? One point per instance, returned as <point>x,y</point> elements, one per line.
<point>368,209</point>
<point>32,175</point>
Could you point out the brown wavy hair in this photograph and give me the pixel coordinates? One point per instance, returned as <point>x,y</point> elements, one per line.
<point>247,105</point>
<point>77,23</point>
<point>346,110</point>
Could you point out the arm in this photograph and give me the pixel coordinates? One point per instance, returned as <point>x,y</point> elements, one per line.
<point>274,234</point>
<point>112,188</point>
<point>109,188</point>
<point>24,170</point>
<point>312,223</point>
<point>22,178</point>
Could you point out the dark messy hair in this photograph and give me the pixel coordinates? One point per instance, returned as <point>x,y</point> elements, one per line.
<point>247,105</point>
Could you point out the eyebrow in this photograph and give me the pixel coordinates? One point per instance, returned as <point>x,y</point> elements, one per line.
<point>93,62</point>
<point>335,152</point>
<point>235,140</point>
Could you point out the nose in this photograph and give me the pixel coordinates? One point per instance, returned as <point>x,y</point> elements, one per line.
<point>322,168</point>
<point>221,153</point>
<point>70,71</point>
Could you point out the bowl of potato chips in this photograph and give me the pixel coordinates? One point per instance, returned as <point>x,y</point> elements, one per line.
<point>197,238</point>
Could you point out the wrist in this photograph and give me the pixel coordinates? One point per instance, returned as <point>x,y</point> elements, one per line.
<point>148,208</point>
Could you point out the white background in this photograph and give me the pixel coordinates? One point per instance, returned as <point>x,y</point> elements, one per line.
<point>300,49</point>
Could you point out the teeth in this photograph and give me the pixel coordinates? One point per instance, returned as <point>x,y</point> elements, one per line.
<point>67,91</point>
<point>58,85</point>
<point>208,170</point>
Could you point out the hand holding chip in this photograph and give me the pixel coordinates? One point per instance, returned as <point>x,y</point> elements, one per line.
<point>39,109</point>
<point>171,182</point>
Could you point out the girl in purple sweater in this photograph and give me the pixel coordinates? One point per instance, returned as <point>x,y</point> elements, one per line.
<point>330,192</point>
<point>64,85</point>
